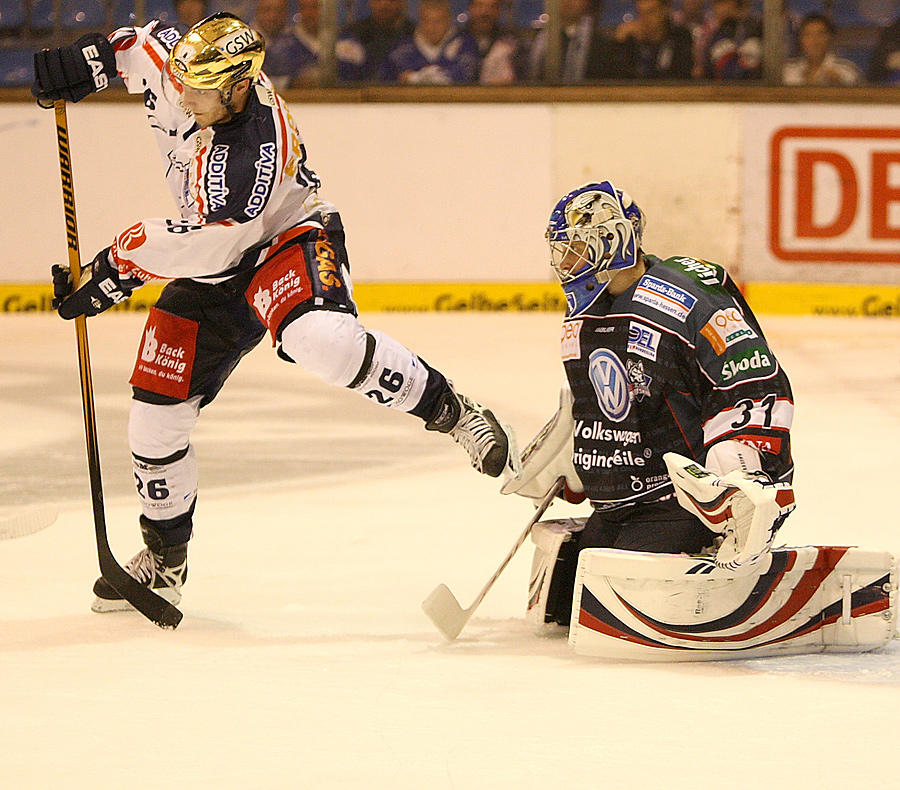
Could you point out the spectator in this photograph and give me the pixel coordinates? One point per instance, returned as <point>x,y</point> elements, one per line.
<point>292,54</point>
<point>654,46</point>
<point>190,12</point>
<point>587,53</point>
<point>243,9</point>
<point>271,21</point>
<point>697,17</point>
<point>885,65</point>
<point>363,46</point>
<point>501,53</point>
<point>306,44</point>
<point>437,53</point>
<point>818,64</point>
<point>734,50</point>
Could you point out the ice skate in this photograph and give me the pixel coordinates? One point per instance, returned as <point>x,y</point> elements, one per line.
<point>161,568</point>
<point>491,445</point>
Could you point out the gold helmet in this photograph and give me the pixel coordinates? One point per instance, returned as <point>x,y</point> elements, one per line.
<point>216,53</point>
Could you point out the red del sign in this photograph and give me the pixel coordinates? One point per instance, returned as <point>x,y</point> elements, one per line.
<point>835,194</point>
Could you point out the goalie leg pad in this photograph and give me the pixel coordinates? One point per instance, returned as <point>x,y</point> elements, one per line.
<point>552,574</point>
<point>654,607</point>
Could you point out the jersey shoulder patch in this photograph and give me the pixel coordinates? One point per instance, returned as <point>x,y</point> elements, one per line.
<point>706,274</point>
<point>664,294</point>
<point>167,35</point>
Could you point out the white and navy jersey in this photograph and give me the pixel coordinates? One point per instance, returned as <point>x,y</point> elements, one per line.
<point>238,185</point>
<point>676,363</point>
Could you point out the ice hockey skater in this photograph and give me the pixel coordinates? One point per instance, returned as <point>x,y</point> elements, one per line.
<point>253,250</point>
<point>675,425</point>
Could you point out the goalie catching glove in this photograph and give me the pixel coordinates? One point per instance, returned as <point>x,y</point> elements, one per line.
<point>548,457</point>
<point>74,71</point>
<point>744,507</point>
<point>100,287</point>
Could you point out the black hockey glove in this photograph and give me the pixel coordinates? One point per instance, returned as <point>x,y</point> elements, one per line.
<point>74,71</point>
<point>101,287</point>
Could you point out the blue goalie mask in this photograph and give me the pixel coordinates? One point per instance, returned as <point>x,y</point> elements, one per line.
<point>594,231</point>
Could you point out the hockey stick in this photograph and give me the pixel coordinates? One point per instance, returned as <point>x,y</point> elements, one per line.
<point>21,524</point>
<point>142,598</point>
<point>443,608</point>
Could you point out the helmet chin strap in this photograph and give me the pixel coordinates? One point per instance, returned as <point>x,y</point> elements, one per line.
<point>225,96</point>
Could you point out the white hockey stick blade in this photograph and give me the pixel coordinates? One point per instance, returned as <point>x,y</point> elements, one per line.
<point>445,612</point>
<point>442,607</point>
<point>21,524</point>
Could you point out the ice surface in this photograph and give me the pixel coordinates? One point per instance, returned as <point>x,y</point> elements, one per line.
<point>304,659</point>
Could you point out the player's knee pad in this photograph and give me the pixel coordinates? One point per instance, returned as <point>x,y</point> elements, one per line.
<point>158,431</point>
<point>328,344</point>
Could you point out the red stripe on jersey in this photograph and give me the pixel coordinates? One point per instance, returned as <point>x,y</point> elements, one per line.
<point>289,235</point>
<point>199,181</point>
<point>285,138</point>
<point>154,55</point>
<point>126,41</point>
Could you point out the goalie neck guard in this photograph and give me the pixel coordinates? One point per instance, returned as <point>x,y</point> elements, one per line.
<point>593,231</point>
<point>217,53</point>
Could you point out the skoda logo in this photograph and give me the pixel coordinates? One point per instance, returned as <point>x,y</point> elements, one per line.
<point>610,381</point>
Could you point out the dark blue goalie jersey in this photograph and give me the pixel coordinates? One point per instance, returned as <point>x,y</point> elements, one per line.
<point>675,363</point>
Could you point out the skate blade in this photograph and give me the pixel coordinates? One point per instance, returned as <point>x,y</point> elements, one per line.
<point>106,605</point>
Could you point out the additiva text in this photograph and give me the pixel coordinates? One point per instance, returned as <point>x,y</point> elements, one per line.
<point>265,173</point>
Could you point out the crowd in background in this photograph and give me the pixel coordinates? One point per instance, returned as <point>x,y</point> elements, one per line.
<point>505,42</point>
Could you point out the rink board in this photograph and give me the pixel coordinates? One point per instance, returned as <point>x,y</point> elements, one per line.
<point>880,301</point>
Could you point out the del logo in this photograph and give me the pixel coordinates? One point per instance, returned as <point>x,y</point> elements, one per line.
<point>643,340</point>
<point>262,301</point>
<point>571,344</point>
<point>610,381</point>
<point>725,328</point>
<point>325,262</point>
<point>129,240</point>
<point>754,359</point>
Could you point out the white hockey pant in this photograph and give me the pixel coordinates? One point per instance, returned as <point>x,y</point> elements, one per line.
<point>165,468</point>
<point>339,350</point>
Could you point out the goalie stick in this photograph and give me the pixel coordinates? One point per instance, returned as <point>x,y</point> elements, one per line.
<point>443,608</point>
<point>19,525</point>
<point>142,598</point>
